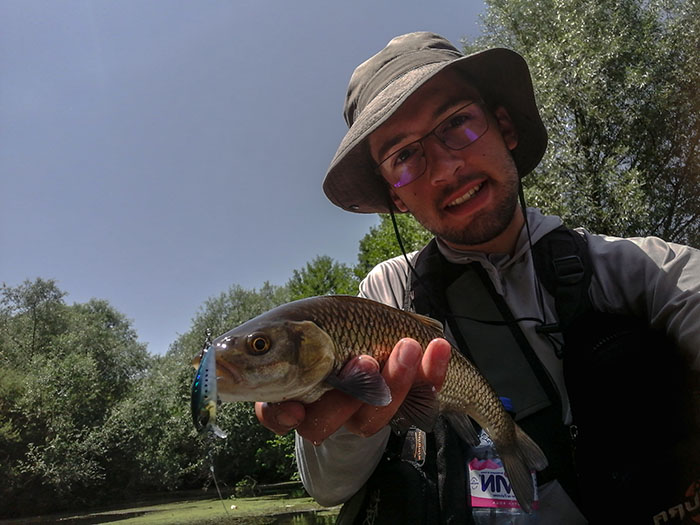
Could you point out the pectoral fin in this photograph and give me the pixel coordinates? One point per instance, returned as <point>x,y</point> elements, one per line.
<point>420,409</point>
<point>368,387</point>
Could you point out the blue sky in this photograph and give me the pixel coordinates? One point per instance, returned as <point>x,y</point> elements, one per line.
<point>155,153</point>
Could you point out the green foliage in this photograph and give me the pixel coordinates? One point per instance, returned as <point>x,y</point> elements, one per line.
<point>240,453</point>
<point>148,437</point>
<point>617,87</point>
<point>322,276</point>
<point>29,315</point>
<point>277,456</point>
<point>245,488</point>
<point>380,243</point>
<point>64,369</point>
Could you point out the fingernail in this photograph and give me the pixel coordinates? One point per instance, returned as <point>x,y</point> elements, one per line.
<point>408,354</point>
<point>286,420</point>
<point>368,361</point>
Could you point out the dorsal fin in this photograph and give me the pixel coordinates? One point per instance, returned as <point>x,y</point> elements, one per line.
<point>423,319</point>
<point>428,321</point>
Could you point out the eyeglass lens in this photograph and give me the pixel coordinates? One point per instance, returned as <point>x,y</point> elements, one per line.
<point>457,131</point>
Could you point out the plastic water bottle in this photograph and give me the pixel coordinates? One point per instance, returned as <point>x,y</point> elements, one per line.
<point>492,498</point>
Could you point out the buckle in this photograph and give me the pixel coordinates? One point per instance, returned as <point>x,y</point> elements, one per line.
<point>569,269</point>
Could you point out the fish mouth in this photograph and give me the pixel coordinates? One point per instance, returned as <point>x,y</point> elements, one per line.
<point>229,369</point>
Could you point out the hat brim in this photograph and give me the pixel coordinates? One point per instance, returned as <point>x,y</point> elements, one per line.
<point>501,75</point>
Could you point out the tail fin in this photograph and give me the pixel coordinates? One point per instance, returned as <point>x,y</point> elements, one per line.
<point>530,451</point>
<point>519,462</point>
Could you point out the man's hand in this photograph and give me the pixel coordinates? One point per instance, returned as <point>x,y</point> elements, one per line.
<point>406,365</point>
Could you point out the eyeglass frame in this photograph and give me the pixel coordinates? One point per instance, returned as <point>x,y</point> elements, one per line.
<point>419,142</point>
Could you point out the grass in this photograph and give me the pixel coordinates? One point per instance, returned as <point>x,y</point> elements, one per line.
<point>262,510</point>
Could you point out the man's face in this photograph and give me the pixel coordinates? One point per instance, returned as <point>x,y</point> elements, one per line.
<point>466,197</point>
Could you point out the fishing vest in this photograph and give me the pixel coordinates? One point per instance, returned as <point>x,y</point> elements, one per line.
<point>466,292</point>
<point>632,454</point>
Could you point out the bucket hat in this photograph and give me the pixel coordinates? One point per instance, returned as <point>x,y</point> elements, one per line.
<point>381,84</point>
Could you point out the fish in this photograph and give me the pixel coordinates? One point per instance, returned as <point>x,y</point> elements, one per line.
<point>204,394</point>
<point>297,351</point>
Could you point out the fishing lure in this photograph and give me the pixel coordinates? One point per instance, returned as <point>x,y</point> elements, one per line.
<point>205,400</point>
<point>204,394</point>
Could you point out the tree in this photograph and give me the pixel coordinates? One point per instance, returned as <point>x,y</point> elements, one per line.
<point>62,370</point>
<point>322,276</point>
<point>381,244</point>
<point>616,83</point>
<point>27,313</point>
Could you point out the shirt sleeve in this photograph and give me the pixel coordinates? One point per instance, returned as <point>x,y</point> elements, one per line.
<point>337,468</point>
<point>653,279</point>
<point>386,283</point>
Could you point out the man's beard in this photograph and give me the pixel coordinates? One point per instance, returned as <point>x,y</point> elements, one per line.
<point>486,225</point>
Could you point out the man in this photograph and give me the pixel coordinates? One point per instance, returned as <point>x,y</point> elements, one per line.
<point>447,137</point>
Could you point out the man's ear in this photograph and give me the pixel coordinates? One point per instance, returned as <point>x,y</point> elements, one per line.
<point>398,203</point>
<point>505,124</point>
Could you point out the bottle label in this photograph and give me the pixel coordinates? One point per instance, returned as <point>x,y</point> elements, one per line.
<point>490,486</point>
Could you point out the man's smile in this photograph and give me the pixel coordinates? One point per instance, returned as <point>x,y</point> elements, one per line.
<point>465,197</point>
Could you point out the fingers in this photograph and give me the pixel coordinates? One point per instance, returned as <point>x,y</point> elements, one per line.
<point>399,373</point>
<point>280,417</point>
<point>435,362</point>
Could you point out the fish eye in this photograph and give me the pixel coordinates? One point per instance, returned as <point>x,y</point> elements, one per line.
<point>258,343</point>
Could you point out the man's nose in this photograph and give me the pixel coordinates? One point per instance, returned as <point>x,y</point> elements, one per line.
<point>443,163</point>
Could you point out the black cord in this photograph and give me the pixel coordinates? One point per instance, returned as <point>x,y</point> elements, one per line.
<point>436,307</point>
<point>536,281</point>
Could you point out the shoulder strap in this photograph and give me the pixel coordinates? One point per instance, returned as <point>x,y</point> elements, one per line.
<point>422,293</point>
<point>564,268</point>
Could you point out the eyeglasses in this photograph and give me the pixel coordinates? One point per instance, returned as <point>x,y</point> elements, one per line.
<point>462,128</point>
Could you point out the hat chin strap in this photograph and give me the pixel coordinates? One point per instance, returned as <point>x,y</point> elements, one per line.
<point>537,284</point>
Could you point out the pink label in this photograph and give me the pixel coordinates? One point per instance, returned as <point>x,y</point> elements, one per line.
<point>490,487</point>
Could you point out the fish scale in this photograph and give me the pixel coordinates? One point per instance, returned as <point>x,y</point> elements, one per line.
<point>367,329</point>
<point>297,351</point>
<point>462,383</point>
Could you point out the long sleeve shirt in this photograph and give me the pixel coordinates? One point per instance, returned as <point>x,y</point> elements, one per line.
<point>646,277</point>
